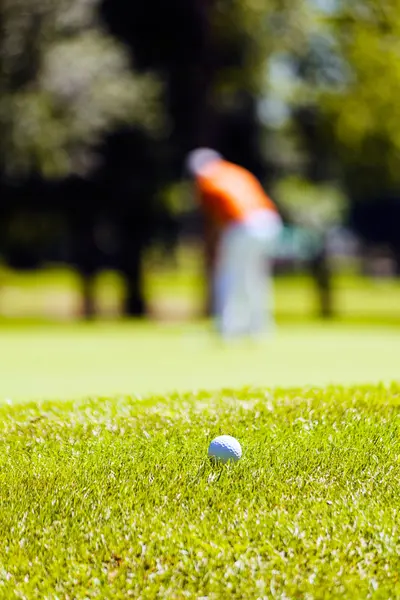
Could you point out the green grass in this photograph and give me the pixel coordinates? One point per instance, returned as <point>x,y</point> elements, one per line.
<point>67,361</point>
<point>63,359</point>
<point>178,293</point>
<point>115,498</point>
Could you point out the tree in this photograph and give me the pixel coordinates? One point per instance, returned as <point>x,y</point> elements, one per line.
<point>357,117</point>
<point>363,112</point>
<point>65,85</point>
<point>52,115</point>
<point>342,117</point>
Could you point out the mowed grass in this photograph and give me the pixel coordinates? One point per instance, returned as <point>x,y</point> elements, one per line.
<point>69,361</point>
<point>64,359</point>
<point>115,498</point>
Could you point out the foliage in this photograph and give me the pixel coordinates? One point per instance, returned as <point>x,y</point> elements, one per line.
<point>316,206</point>
<point>364,114</point>
<point>64,83</point>
<point>340,59</point>
<point>352,85</point>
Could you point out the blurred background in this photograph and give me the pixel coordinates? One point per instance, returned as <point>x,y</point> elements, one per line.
<point>100,101</point>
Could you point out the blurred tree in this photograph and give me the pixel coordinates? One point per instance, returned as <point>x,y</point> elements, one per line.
<point>335,85</point>
<point>363,114</point>
<point>63,83</point>
<point>350,122</point>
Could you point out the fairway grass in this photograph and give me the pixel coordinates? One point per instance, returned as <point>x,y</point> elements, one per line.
<point>115,497</point>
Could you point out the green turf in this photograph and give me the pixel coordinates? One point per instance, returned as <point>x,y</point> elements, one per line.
<point>56,293</point>
<point>74,360</point>
<point>69,360</point>
<point>116,498</point>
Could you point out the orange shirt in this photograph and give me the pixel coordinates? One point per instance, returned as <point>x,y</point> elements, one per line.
<point>231,193</point>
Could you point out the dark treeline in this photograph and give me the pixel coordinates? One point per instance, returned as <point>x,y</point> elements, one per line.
<point>210,57</point>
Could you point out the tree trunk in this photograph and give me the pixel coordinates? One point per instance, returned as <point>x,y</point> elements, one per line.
<point>396,254</point>
<point>132,268</point>
<point>322,273</point>
<point>85,257</point>
<point>88,296</point>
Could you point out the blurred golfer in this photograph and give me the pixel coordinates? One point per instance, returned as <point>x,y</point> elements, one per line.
<point>249,225</point>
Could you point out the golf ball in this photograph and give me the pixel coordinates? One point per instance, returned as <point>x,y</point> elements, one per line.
<point>225,448</point>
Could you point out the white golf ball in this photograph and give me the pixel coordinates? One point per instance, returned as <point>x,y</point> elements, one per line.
<point>225,448</point>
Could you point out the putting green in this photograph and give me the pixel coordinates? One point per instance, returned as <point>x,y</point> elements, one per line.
<point>67,361</point>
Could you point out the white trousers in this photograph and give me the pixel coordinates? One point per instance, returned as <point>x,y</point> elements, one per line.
<point>242,280</point>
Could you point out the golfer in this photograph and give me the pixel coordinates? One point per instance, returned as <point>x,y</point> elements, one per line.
<point>248,227</point>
